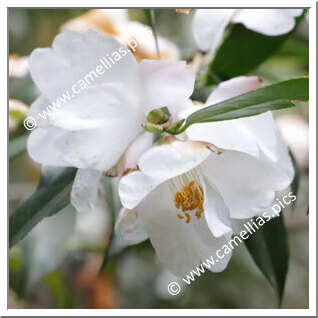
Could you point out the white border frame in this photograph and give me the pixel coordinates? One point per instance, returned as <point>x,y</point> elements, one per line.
<point>312,161</point>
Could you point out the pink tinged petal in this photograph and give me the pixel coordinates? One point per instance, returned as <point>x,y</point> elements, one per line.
<point>209,26</point>
<point>295,131</point>
<point>246,184</point>
<point>271,22</point>
<point>129,160</point>
<point>129,227</point>
<point>179,246</point>
<point>85,189</point>
<point>157,165</point>
<point>92,131</point>
<point>74,56</point>
<point>165,83</point>
<point>141,40</point>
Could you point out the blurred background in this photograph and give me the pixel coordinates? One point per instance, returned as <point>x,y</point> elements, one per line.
<point>57,264</point>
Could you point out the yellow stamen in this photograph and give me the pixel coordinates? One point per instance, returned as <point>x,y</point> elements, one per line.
<point>190,198</point>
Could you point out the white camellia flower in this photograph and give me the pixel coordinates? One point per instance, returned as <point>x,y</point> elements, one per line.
<point>209,24</point>
<point>188,196</point>
<point>116,22</point>
<point>94,129</point>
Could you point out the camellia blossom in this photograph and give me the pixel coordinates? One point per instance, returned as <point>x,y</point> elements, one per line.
<point>102,125</point>
<point>188,196</point>
<point>116,22</point>
<point>209,24</point>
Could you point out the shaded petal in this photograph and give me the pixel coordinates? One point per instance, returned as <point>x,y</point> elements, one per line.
<point>91,131</point>
<point>134,187</point>
<point>74,56</point>
<point>165,83</point>
<point>129,227</point>
<point>129,159</point>
<point>85,189</point>
<point>179,246</point>
<point>272,22</point>
<point>208,27</point>
<point>93,227</point>
<point>246,184</point>
<point>216,213</point>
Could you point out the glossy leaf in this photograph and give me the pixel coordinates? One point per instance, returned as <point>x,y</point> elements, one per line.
<point>113,202</point>
<point>17,146</point>
<point>250,49</point>
<point>268,248</point>
<point>52,194</point>
<point>272,97</point>
<point>150,15</point>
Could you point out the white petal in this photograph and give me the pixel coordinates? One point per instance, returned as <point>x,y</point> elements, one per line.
<point>85,189</point>
<point>91,131</point>
<point>250,134</point>
<point>167,161</point>
<point>93,227</point>
<point>226,134</point>
<point>271,22</point>
<point>179,246</point>
<point>134,187</point>
<point>216,212</point>
<point>37,108</point>
<point>233,87</point>
<point>129,227</point>
<point>74,56</point>
<point>208,27</point>
<point>157,165</point>
<point>257,136</point>
<point>129,159</point>
<point>165,83</point>
<point>246,184</point>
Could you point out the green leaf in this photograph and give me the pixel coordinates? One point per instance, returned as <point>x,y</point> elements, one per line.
<point>272,97</point>
<point>17,146</point>
<point>268,248</point>
<point>114,206</point>
<point>150,15</point>
<point>52,194</point>
<point>295,184</point>
<point>250,49</point>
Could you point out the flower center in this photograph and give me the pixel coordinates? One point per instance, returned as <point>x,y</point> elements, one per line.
<point>188,195</point>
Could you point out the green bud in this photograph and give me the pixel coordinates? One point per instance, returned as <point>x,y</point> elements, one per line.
<point>157,117</point>
<point>152,128</point>
<point>173,129</point>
